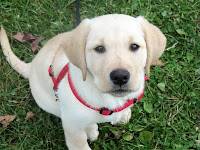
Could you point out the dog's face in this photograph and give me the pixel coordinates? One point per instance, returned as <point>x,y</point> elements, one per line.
<point>114,49</point>
<point>116,54</point>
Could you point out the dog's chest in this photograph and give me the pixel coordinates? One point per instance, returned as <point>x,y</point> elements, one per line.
<point>78,113</point>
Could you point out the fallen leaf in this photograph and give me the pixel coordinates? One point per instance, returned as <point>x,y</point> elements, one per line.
<point>29,36</point>
<point>6,120</point>
<point>158,63</point>
<point>29,115</point>
<point>24,36</point>
<point>35,43</point>
<point>19,36</point>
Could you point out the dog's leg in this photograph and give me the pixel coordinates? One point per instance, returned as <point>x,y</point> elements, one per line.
<point>76,138</point>
<point>92,132</point>
<point>126,116</point>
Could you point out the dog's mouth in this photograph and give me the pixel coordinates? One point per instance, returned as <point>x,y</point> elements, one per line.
<point>120,92</point>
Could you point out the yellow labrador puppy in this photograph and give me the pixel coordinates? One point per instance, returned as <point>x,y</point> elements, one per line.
<point>92,74</point>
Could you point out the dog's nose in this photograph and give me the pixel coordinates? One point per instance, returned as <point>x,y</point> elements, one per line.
<point>119,76</point>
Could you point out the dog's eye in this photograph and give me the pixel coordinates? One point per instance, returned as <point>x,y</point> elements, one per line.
<point>99,49</point>
<point>134,47</point>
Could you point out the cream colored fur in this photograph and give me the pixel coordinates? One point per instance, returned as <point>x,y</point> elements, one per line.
<point>90,71</point>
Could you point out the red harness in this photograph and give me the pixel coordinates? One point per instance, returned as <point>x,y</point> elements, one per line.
<point>103,110</point>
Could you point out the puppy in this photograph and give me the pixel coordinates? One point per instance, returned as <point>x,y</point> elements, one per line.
<point>93,74</point>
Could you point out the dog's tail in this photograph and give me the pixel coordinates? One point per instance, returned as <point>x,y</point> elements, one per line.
<point>20,66</point>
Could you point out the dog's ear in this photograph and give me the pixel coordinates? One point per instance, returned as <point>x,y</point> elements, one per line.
<point>74,46</point>
<point>155,42</point>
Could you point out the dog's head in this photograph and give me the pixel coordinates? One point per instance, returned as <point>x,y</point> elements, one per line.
<point>115,49</point>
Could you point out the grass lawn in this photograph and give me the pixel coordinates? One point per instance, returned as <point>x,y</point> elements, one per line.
<point>168,116</point>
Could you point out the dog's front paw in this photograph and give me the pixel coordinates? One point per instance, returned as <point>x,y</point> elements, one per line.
<point>92,132</point>
<point>93,135</point>
<point>126,116</point>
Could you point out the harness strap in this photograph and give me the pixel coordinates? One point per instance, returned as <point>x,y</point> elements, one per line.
<point>63,72</point>
<point>104,111</point>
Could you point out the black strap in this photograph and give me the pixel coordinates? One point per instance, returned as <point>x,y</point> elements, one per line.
<point>77,13</point>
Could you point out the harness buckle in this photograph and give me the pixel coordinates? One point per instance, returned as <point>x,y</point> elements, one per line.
<point>105,111</point>
<point>135,100</point>
<point>51,75</point>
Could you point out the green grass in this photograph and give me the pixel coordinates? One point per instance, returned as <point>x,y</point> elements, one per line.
<point>175,117</point>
